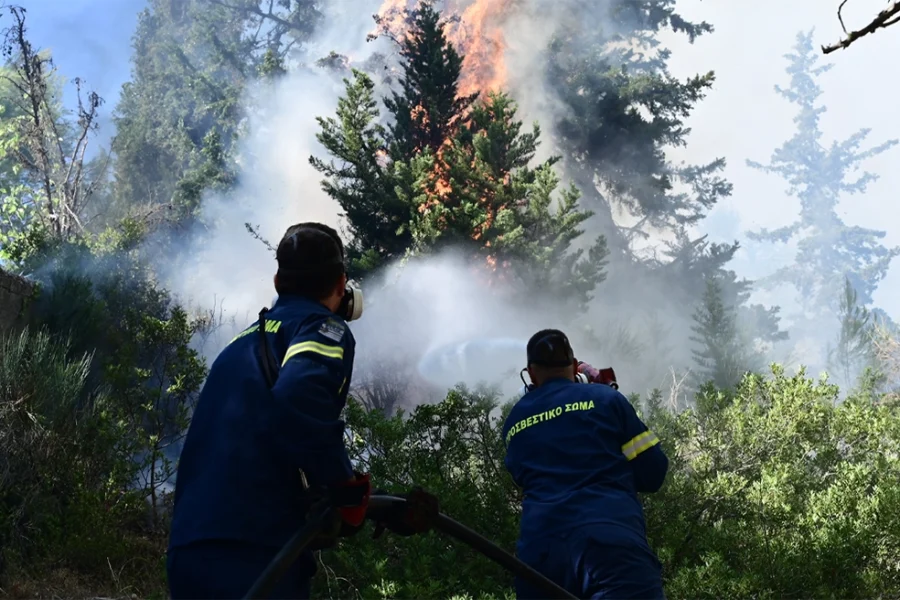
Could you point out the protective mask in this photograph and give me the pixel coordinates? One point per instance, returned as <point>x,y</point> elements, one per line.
<point>351,307</point>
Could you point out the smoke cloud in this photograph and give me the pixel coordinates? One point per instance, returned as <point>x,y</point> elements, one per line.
<point>428,313</point>
<point>423,312</point>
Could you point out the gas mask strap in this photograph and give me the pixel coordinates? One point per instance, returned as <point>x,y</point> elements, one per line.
<point>269,366</point>
<point>528,386</point>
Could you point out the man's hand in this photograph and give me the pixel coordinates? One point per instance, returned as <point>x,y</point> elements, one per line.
<point>352,501</point>
<point>416,515</point>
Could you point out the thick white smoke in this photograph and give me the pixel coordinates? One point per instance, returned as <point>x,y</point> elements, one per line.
<point>423,313</point>
<point>226,269</point>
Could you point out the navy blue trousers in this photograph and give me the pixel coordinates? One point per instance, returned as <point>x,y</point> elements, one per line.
<point>596,561</point>
<point>225,570</point>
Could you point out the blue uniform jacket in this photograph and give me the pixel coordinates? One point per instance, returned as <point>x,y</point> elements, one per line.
<point>238,474</point>
<point>580,454</point>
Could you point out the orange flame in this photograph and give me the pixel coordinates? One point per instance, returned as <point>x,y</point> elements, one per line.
<point>474,29</point>
<point>479,38</point>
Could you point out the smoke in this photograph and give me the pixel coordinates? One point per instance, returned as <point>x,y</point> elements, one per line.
<point>221,262</point>
<point>429,313</point>
<point>434,315</point>
<point>422,312</point>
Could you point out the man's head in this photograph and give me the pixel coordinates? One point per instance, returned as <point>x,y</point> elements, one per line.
<point>550,356</point>
<point>311,264</point>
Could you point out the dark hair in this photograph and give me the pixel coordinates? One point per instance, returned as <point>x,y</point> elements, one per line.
<point>310,260</point>
<point>550,348</point>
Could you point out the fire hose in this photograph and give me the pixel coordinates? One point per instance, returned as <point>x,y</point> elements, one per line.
<point>323,513</point>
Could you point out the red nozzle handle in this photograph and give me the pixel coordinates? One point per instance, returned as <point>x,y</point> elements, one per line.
<point>605,376</point>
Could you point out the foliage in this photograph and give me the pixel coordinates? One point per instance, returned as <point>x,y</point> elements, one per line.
<point>50,184</point>
<point>722,356</point>
<point>452,172</point>
<point>453,449</point>
<point>776,488</point>
<point>779,491</point>
<point>65,501</point>
<point>624,108</point>
<point>103,302</point>
<point>853,350</point>
<point>192,64</point>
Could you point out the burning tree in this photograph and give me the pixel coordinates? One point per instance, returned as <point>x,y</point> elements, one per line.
<point>451,171</point>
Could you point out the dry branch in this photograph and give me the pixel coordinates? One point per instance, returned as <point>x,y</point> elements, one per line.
<point>887,17</point>
<point>51,151</point>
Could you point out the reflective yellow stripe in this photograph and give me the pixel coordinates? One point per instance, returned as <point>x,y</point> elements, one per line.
<point>343,383</point>
<point>315,347</point>
<point>639,443</point>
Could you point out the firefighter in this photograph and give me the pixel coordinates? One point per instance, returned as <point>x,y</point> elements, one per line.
<point>239,493</point>
<point>580,454</point>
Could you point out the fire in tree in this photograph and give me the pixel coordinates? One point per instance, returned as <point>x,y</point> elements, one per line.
<point>451,167</point>
<point>474,27</point>
<point>436,120</point>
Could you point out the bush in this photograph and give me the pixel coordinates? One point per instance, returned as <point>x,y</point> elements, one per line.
<point>63,492</point>
<point>98,402</point>
<point>775,490</point>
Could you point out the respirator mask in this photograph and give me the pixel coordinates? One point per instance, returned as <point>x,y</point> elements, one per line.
<point>351,307</point>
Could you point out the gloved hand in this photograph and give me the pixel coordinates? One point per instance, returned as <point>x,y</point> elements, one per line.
<point>352,500</point>
<point>414,516</point>
<point>595,375</point>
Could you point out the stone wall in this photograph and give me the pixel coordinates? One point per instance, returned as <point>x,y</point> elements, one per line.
<point>14,295</point>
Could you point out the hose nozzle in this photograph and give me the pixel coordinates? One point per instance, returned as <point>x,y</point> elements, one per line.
<point>593,375</point>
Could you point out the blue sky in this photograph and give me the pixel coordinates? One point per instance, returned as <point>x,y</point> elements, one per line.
<point>90,39</point>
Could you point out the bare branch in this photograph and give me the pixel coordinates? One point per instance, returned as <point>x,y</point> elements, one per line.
<point>841,16</point>
<point>51,150</point>
<point>887,17</point>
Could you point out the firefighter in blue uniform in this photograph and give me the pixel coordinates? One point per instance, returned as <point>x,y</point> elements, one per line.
<point>239,493</point>
<point>581,454</point>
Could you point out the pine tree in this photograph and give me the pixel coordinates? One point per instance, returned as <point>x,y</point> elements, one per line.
<point>360,179</point>
<point>829,250</point>
<point>451,171</point>
<point>428,110</point>
<point>721,355</point>
<point>853,350</point>
<point>374,183</point>
<point>620,109</point>
<point>485,197</point>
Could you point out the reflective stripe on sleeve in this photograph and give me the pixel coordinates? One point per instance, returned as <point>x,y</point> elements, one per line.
<point>639,443</point>
<point>314,347</point>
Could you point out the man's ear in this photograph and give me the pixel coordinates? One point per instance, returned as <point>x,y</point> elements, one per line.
<point>341,285</point>
<point>275,280</point>
<point>531,376</point>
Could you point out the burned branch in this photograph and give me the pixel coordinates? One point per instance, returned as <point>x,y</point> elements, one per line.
<point>887,17</point>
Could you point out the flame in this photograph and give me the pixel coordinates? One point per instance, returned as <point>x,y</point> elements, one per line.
<point>474,30</point>
<point>478,36</point>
